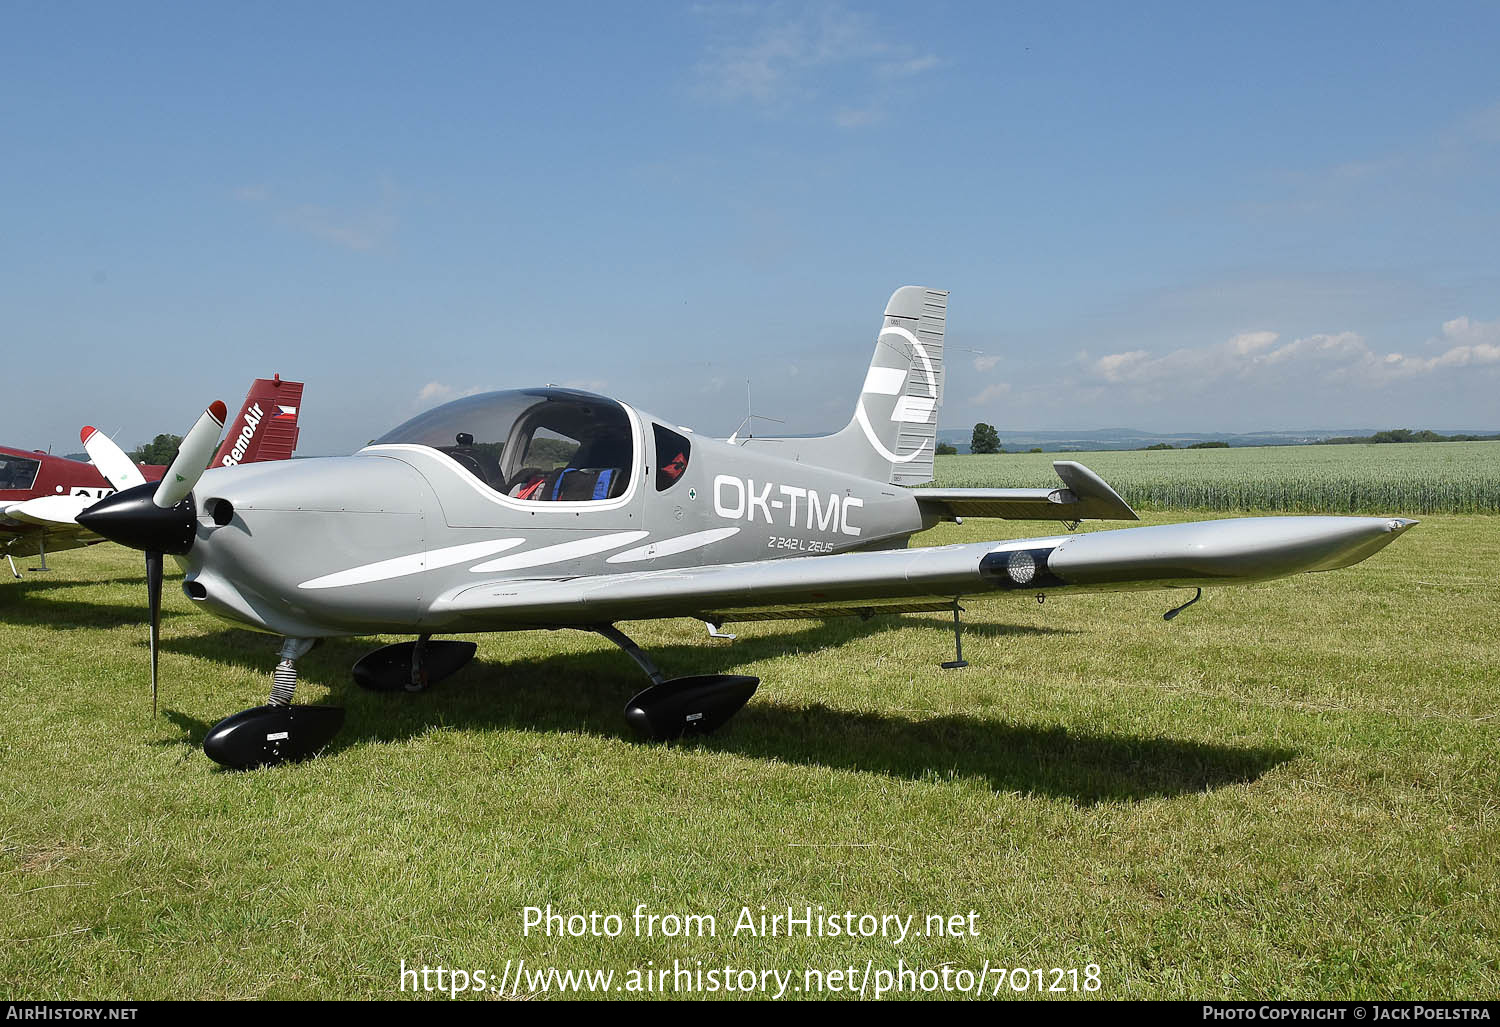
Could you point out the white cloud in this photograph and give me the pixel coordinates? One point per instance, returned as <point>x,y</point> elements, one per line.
<point>1250,342</point>
<point>362,228</point>
<point>985,362</point>
<point>434,393</point>
<point>1118,367</point>
<point>857,119</point>
<point>361,232</point>
<point>1464,147</point>
<point>1343,357</point>
<point>911,66</point>
<point>777,55</point>
<point>992,393</point>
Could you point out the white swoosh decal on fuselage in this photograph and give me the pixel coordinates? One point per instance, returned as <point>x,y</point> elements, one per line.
<point>401,566</point>
<point>562,551</point>
<point>673,546</point>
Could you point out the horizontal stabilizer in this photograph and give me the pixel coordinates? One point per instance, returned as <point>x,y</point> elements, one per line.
<point>1085,496</point>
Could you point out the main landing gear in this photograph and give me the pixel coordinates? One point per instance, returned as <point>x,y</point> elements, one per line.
<point>412,666</point>
<point>669,709</point>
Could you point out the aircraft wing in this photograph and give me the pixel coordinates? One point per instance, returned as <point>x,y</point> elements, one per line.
<point>1162,556</point>
<point>714,593</point>
<point>1085,496</point>
<point>24,525</point>
<point>51,512</point>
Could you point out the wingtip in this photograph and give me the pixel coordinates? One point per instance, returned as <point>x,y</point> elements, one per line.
<point>219,410</point>
<point>86,434</point>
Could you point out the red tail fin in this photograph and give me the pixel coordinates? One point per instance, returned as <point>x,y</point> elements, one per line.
<point>266,428</point>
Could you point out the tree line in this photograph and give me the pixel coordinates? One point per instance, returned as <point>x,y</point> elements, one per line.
<point>160,451</point>
<point>1404,435</point>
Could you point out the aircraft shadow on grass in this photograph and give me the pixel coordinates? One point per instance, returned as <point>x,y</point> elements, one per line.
<point>16,591</point>
<point>56,613</point>
<point>586,692</point>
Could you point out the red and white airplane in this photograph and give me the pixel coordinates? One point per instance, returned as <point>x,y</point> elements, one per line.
<point>41,495</point>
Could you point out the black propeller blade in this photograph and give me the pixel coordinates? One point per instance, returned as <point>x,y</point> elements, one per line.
<point>153,598</point>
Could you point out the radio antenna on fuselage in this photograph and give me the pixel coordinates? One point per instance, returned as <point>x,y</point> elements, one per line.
<point>749,421</point>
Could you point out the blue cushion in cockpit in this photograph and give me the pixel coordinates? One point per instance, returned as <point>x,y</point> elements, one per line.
<point>575,484</point>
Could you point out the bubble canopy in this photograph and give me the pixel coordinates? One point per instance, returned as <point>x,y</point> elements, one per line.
<point>536,445</point>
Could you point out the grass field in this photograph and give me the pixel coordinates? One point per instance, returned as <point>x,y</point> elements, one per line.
<point>1291,790</point>
<point>1411,478</point>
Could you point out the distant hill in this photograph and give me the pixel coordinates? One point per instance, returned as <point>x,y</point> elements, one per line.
<point>1094,440</point>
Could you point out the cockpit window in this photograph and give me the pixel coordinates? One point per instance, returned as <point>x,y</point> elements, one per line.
<point>539,445</point>
<point>672,452</point>
<point>549,450</point>
<point>16,472</point>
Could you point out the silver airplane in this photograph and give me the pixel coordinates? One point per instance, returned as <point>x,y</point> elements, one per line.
<point>552,508</point>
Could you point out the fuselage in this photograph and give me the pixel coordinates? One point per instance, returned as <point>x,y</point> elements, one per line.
<point>41,497</point>
<point>364,543</point>
<point>32,474</point>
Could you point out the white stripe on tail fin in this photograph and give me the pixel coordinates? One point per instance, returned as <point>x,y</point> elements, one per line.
<point>894,430</point>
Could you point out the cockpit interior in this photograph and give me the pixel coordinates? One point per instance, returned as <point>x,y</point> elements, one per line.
<point>534,445</point>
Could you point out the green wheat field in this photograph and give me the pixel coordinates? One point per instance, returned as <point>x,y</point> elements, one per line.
<point>1291,790</point>
<point>1414,478</point>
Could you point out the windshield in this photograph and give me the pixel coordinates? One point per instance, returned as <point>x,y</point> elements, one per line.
<point>540,445</point>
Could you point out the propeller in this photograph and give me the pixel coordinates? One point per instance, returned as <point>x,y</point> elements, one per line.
<point>110,459</point>
<point>154,518</point>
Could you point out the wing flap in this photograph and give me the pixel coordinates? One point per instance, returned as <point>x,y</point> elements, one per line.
<point>1084,496</point>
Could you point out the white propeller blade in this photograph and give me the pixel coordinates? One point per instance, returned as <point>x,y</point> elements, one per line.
<point>110,459</point>
<point>192,457</point>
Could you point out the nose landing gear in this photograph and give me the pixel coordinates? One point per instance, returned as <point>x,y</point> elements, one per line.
<point>277,732</point>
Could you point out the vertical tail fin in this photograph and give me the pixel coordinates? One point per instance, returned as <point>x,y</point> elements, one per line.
<point>896,415</point>
<point>893,434</point>
<point>266,428</point>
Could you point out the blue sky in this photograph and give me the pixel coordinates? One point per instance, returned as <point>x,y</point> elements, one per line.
<point>1167,216</point>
